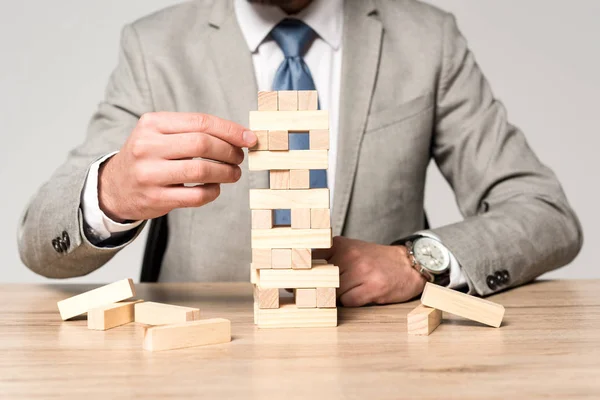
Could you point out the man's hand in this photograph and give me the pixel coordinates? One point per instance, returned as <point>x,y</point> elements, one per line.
<point>146,178</point>
<point>372,273</point>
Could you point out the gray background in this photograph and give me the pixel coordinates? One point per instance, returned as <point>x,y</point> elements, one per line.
<point>542,58</point>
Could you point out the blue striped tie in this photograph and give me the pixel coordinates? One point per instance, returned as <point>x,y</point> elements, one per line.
<point>294,37</point>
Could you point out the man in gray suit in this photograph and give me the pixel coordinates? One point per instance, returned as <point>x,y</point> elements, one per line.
<point>402,88</point>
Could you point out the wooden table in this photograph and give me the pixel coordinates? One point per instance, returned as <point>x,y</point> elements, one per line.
<point>548,347</point>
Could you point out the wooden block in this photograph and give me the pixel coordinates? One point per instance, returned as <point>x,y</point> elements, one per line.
<point>288,100</point>
<point>301,218</point>
<point>262,141</point>
<point>320,218</point>
<point>300,179</point>
<point>267,101</point>
<point>301,258</point>
<point>290,316</point>
<point>262,219</point>
<point>281,258</point>
<point>301,121</point>
<point>317,276</point>
<point>266,199</point>
<point>279,140</point>
<point>319,262</point>
<point>463,305</point>
<point>279,179</point>
<point>326,297</point>
<point>308,100</point>
<point>287,238</point>
<point>306,298</point>
<point>318,139</point>
<point>111,316</point>
<point>102,296</point>
<point>253,275</point>
<point>187,334</point>
<point>266,298</point>
<point>261,258</point>
<point>423,320</point>
<point>291,159</point>
<point>151,313</point>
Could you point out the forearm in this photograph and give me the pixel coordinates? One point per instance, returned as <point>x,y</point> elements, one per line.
<point>526,236</point>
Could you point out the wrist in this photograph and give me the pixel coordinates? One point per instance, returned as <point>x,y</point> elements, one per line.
<point>106,199</point>
<point>408,269</point>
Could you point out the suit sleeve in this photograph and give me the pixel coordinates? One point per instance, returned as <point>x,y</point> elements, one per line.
<point>516,216</point>
<point>56,207</point>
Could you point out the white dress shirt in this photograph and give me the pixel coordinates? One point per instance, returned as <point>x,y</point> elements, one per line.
<point>324,59</point>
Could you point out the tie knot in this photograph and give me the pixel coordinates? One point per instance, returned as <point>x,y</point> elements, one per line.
<point>293,37</point>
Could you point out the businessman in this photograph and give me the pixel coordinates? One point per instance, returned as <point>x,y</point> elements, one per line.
<point>402,88</point>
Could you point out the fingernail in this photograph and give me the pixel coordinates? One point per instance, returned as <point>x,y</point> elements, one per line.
<point>250,138</point>
<point>238,173</point>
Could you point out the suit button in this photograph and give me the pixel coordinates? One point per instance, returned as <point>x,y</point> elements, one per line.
<point>66,239</point>
<point>499,277</point>
<point>491,282</point>
<point>56,245</point>
<point>505,276</point>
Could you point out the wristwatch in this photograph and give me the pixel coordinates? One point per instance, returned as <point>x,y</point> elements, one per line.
<point>428,256</point>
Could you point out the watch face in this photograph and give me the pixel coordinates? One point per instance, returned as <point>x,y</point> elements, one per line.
<point>431,254</point>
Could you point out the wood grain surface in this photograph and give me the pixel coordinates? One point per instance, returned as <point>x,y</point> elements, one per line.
<point>548,347</point>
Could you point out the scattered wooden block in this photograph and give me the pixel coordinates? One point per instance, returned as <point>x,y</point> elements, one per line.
<point>111,316</point>
<point>265,199</point>
<point>286,238</point>
<point>423,320</point>
<point>262,219</point>
<point>279,180</point>
<point>262,258</point>
<point>326,297</point>
<point>308,100</point>
<point>306,298</point>
<point>288,100</point>
<point>300,179</point>
<point>291,159</point>
<point>316,277</point>
<point>266,298</point>
<point>267,101</point>
<point>320,218</point>
<point>463,305</point>
<point>281,258</point>
<point>301,258</point>
<point>301,218</point>
<point>279,140</point>
<point>102,296</point>
<point>319,139</point>
<point>289,120</point>
<point>262,142</point>
<point>187,334</point>
<point>290,316</point>
<point>151,313</point>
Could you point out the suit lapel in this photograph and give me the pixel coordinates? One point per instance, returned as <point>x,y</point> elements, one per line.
<point>361,52</point>
<point>235,70</point>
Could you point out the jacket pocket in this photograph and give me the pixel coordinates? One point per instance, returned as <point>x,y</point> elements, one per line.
<point>398,113</point>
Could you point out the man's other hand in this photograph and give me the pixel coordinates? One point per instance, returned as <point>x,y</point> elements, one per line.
<point>146,178</point>
<point>372,273</point>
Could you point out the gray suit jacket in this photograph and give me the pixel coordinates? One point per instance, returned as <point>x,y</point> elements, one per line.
<point>411,92</point>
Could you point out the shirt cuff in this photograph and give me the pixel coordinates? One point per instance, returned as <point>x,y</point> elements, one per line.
<point>458,280</point>
<point>99,227</point>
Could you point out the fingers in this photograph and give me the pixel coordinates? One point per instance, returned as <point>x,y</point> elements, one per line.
<point>195,171</point>
<point>322,254</point>
<point>183,197</point>
<point>192,145</point>
<point>169,123</point>
<point>349,281</point>
<point>356,297</point>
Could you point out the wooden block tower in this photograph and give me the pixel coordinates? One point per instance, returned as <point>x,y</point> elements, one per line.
<point>281,255</point>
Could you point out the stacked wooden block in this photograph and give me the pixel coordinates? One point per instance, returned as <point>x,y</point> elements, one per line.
<point>167,326</point>
<point>282,255</point>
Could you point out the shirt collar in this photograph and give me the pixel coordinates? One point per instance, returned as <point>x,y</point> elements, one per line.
<point>256,21</point>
